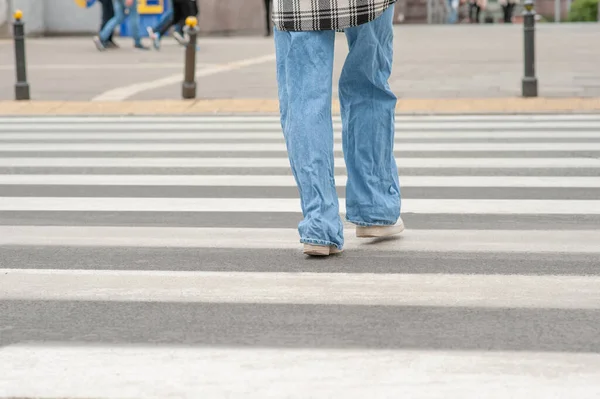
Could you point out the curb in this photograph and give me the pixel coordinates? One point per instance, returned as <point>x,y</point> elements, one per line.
<point>461,106</point>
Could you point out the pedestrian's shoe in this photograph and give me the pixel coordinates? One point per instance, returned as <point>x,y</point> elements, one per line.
<point>111,44</point>
<point>380,231</point>
<point>156,41</point>
<point>151,33</point>
<point>140,46</point>
<point>321,250</point>
<point>99,44</point>
<point>180,39</point>
<point>155,37</point>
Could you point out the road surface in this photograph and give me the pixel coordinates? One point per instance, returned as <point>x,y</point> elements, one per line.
<point>157,257</point>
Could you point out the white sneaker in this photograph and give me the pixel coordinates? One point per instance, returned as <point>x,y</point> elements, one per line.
<point>180,39</point>
<point>320,250</point>
<point>380,231</point>
<point>151,33</point>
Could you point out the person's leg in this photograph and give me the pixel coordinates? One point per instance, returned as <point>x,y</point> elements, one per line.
<point>178,15</point>
<point>452,12</point>
<point>511,8</point>
<point>183,10</point>
<point>304,76</point>
<point>104,15</point>
<point>368,108</point>
<point>134,24</point>
<point>102,39</point>
<point>165,21</point>
<point>110,10</point>
<point>107,12</point>
<point>473,15</point>
<point>268,5</point>
<point>191,11</point>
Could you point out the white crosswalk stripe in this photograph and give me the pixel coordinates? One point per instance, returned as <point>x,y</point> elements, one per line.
<point>288,181</point>
<point>158,257</point>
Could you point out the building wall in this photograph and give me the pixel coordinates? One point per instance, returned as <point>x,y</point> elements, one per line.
<point>4,18</point>
<point>232,16</point>
<point>52,17</point>
<point>33,15</point>
<point>65,17</point>
<point>217,17</point>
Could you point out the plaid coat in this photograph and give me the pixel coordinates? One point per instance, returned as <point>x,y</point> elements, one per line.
<point>311,15</point>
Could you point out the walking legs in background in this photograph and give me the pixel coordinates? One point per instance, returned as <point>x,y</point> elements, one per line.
<point>508,12</point>
<point>188,8</point>
<point>179,10</point>
<point>452,11</point>
<point>108,12</point>
<point>163,24</point>
<point>474,11</point>
<point>120,8</point>
<point>268,5</point>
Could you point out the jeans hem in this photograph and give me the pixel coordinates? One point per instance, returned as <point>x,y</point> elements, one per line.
<point>365,224</point>
<point>319,242</point>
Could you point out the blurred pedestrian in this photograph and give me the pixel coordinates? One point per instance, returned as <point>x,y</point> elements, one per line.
<point>452,11</point>
<point>305,32</point>
<point>268,7</point>
<point>475,7</point>
<point>108,12</point>
<point>178,12</point>
<point>508,7</point>
<point>123,9</point>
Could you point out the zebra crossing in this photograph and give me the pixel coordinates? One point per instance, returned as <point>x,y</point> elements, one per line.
<point>158,257</point>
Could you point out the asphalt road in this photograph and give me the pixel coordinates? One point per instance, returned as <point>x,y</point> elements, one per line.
<point>158,257</point>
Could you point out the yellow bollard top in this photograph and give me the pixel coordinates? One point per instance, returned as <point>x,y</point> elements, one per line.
<point>192,22</point>
<point>18,15</point>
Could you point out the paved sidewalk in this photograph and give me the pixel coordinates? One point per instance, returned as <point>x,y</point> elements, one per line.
<point>432,62</point>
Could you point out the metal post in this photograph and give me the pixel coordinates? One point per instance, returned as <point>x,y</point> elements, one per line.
<point>557,11</point>
<point>21,87</point>
<point>530,83</point>
<point>189,82</point>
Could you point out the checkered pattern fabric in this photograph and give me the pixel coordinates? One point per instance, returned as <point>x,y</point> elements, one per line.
<point>312,15</point>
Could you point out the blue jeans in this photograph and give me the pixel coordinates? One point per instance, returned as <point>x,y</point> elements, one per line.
<point>452,13</point>
<point>119,6</point>
<point>165,22</point>
<point>304,74</point>
<point>165,19</point>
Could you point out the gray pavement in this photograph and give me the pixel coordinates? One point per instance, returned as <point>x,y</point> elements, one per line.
<point>114,261</point>
<point>430,62</point>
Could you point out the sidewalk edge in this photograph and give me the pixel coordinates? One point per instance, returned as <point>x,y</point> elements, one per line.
<point>514,105</point>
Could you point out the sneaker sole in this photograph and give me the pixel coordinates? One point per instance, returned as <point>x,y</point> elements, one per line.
<point>151,33</point>
<point>320,250</point>
<point>180,39</point>
<point>378,231</point>
<point>99,44</point>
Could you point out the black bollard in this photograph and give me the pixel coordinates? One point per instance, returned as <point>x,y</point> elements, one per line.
<point>189,82</point>
<point>21,87</point>
<point>530,83</point>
